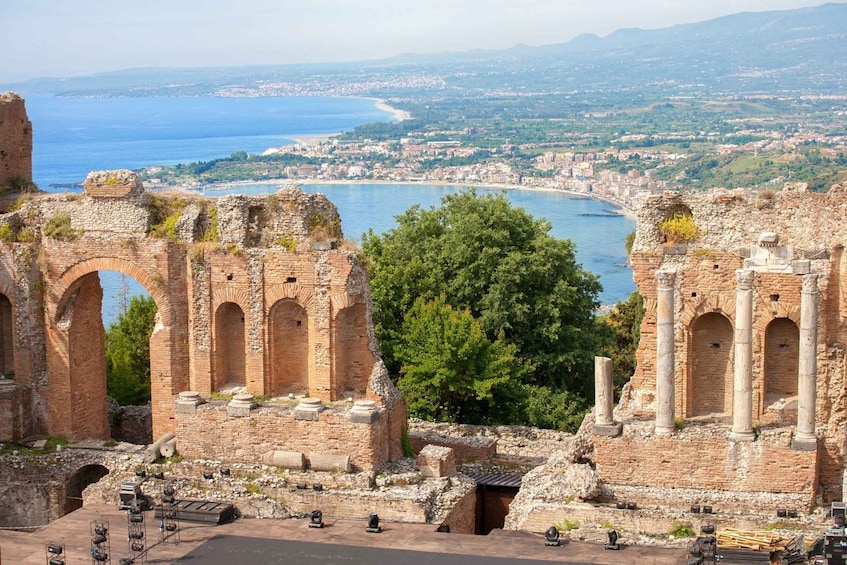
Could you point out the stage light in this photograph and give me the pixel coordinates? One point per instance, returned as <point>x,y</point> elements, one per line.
<point>208,476</point>
<point>707,529</point>
<point>97,539</point>
<point>141,473</point>
<point>621,505</point>
<point>300,486</point>
<point>631,506</point>
<point>169,490</point>
<point>707,510</point>
<point>316,519</point>
<point>613,540</point>
<point>780,512</point>
<point>55,548</point>
<point>225,472</point>
<point>56,560</point>
<point>551,536</point>
<point>317,486</point>
<point>695,508</point>
<point>373,524</point>
<point>792,513</point>
<point>159,475</point>
<point>100,530</point>
<point>126,561</point>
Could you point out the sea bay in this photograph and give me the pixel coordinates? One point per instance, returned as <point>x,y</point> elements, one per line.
<point>73,136</point>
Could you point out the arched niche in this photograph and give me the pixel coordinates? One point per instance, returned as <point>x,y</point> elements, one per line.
<point>288,348</point>
<point>230,347</point>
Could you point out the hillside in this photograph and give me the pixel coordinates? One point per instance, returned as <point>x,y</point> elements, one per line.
<point>802,50</point>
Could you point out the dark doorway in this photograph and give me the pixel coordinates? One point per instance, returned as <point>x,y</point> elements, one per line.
<point>84,476</point>
<point>494,494</point>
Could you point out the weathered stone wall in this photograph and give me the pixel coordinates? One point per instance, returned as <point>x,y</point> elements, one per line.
<point>211,433</point>
<point>811,234</point>
<point>484,442</point>
<point>15,141</point>
<point>700,457</point>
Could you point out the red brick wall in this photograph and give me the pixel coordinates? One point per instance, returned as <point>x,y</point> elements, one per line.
<point>230,349</point>
<point>211,434</point>
<point>706,460</point>
<point>15,141</point>
<point>782,348</point>
<point>87,361</point>
<point>7,354</point>
<point>712,353</point>
<point>288,326</point>
<point>353,359</point>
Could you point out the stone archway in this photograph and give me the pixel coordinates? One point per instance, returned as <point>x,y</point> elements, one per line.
<point>84,476</point>
<point>288,345</point>
<point>76,358</point>
<point>782,349</point>
<point>710,373</point>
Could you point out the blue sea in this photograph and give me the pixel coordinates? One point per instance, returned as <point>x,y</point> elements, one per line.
<point>72,136</point>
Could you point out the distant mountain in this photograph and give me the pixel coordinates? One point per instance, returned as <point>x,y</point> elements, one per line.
<point>802,50</point>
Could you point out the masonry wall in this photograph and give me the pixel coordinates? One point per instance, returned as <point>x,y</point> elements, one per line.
<point>210,433</point>
<point>811,235</point>
<point>15,141</point>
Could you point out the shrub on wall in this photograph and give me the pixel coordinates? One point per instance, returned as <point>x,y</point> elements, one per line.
<point>679,228</point>
<point>59,227</point>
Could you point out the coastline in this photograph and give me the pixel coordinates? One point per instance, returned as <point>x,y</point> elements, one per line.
<point>282,183</point>
<point>313,139</point>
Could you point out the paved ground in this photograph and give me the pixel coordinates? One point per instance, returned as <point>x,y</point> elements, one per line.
<point>266,542</point>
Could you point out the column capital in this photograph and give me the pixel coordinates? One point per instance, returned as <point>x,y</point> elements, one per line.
<point>666,278</point>
<point>744,278</point>
<point>810,284</point>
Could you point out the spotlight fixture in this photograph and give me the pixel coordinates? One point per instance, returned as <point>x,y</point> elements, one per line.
<point>316,519</point>
<point>551,536</point>
<point>613,540</point>
<point>141,473</point>
<point>695,508</point>
<point>707,510</point>
<point>373,525</point>
<point>301,486</point>
<point>621,505</point>
<point>225,472</point>
<point>317,487</point>
<point>792,513</point>
<point>55,548</point>
<point>631,506</point>
<point>781,512</point>
<point>159,475</point>
<point>169,490</point>
<point>208,476</point>
<point>707,529</point>
<point>126,561</point>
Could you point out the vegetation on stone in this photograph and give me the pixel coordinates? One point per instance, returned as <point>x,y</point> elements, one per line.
<point>59,227</point>
<point>679,228</point>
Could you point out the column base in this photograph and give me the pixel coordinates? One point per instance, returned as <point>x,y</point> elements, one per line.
<point>742,436</point>
<point>665,431</point>
<point>610,430</point>
<point>804,443</point>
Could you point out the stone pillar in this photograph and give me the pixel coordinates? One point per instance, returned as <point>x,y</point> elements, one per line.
<point>604,390</point>
<point>665,383</point>
<point>804,437</point>
<point>742,397</point>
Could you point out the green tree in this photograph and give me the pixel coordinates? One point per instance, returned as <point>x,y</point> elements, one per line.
<point>562,410</point>
<point>624,322</point>
<point>451,372</point>
<point>501,264</point>
<point>128,352</point>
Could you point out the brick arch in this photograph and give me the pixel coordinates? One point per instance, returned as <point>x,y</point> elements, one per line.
<point>717,303</point>
<point>66,281</point>
<point>344,300</point>
<point>304,296</point>
<point>773,311</point>
<point>8,289</point>
<point>226,294</point>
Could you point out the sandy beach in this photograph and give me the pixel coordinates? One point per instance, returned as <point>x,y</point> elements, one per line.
<point>319,138</point>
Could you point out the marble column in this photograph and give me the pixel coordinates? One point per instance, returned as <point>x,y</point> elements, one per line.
<point>807,373</point>
<point>604,390</point>
<point>742,393</point>
<point>665,384</point>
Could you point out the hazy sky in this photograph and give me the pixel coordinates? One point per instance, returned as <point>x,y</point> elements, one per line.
<point>61,38</point>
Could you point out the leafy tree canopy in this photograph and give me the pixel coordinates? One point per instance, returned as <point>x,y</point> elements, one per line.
<point>624,320</point>
<point>128,352</point>
<point>451,372</point>
<point>501,264</point>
